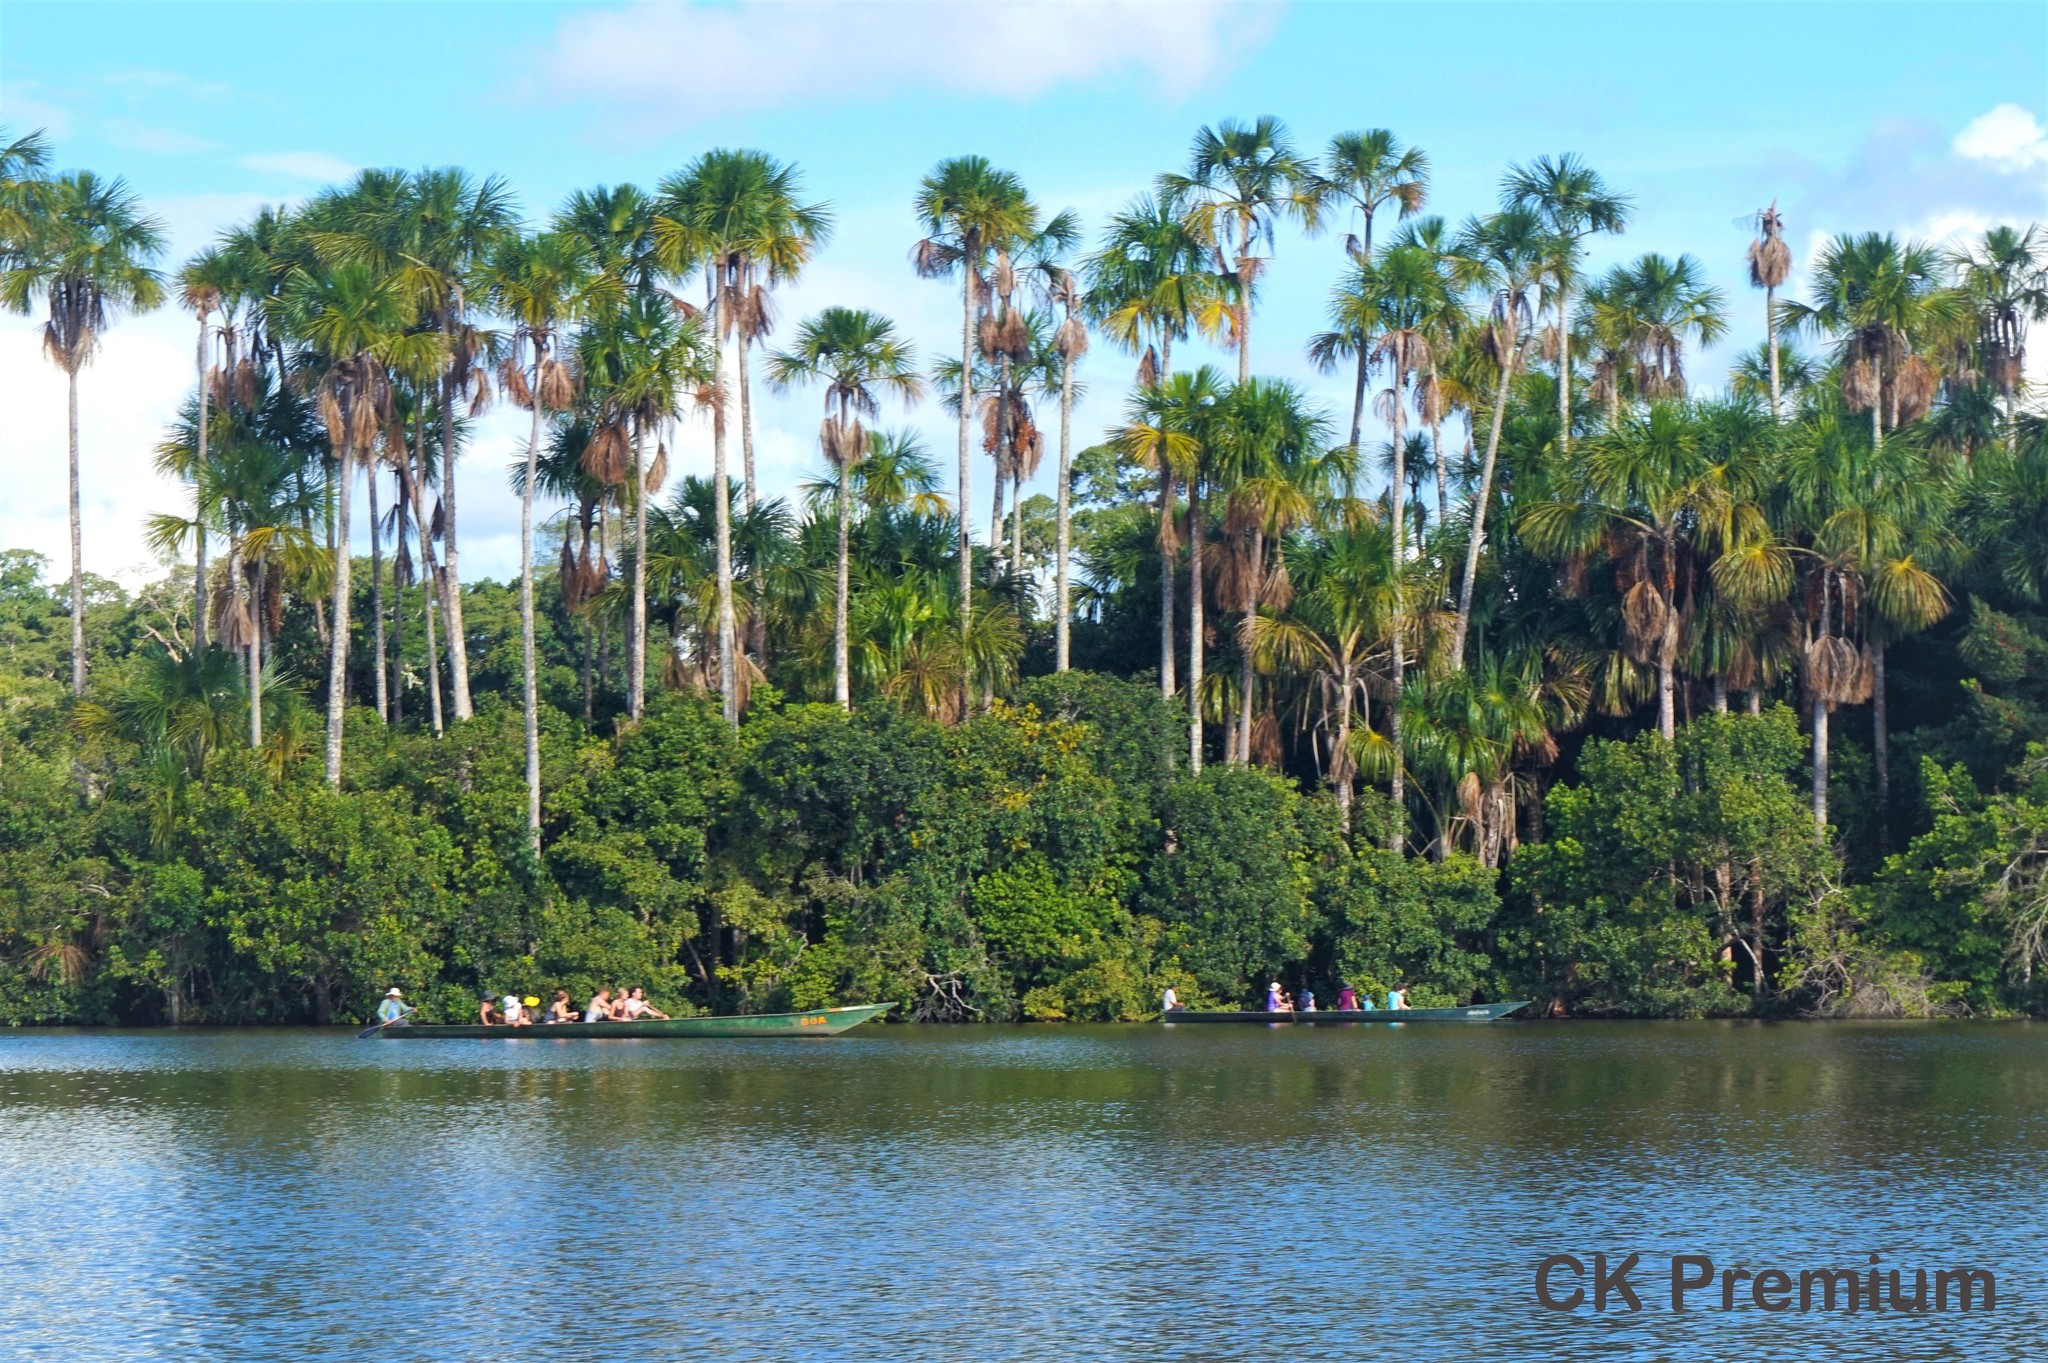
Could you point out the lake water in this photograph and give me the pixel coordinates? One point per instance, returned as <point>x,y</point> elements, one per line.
<point>1010,1193</point>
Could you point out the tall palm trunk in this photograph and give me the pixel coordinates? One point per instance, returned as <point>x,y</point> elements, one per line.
<point>1443,469</point>
<point>1341,763</point>
<point>77,550</point>
<point>1881,745</point>
<point>258,623</point>
<point>199,510</point>
<point>1397,787</point>
<point>377,600</point>
<point>1194,625</point>
<point>1245,680</point>
<point>636,667</point>
<point>1244,304</point>
<point>1481,497</point>
<point>1357,423</point>
<point>1166,567</point>
<point>1820,722</point>
<point>1564,365</point>
<point>529,673</point>
<point>728,664</point>
<point>430,581</point>
<point>757,618</point>
<point>451,578</point>
<point>397,606</point>
<point>842,684</point>
<point>968,264</point>
<point>1667,654</point>
<point>1063,527</point>
<point>1771,332</point>
<point>337,648</point>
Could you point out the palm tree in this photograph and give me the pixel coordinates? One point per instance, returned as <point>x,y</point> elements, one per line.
<point>1770,261</point>
<point>969,209</point>
<point>447,224</point>
<point>1368,171</point>
<point>1572,202</point>
<point>356,324</point>
<point>86,256</point>
<point>1240,182</point>
<point>539,283</point>
<point>203,286</point>
<point>1669,303</point>
<point>1167,426</point>
<point>23,162</point>
<point>1148,286</point>
<point>852,353</point>
<point>1883,302</point>
<point>1506,256</point>
<point>1441,322</point>
<point>2006,280</point>
<point>737,216</point>
<point>1071,341</point>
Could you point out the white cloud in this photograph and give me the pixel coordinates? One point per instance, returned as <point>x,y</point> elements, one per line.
<point>300,165</point>
<point>690,60</point>
<point>22,110</point>
<point>2009,137</point>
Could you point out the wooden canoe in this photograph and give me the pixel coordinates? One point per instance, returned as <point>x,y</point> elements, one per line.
<point>817,1022</point>
<point>1477,1012</point>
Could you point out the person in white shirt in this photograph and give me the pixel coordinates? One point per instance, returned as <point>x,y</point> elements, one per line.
<point>638,1007</point>
<point>1169,1001</point>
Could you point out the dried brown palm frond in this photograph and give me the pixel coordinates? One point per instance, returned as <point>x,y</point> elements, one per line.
<point>1014,337</point>
<point>1003,278</point>
<point>570,576</point>
<point>1644,614</point>
<point>557,385</point>
<point>1277,590</point>
<point>1148,368</point>
<point>273,604</point>
<point>1071,339</point>
<point>1860,387</point>
<point>1266,749</point>
<point>607,453</point>
<point>1770,260</point>
<point>437,524</point>
<point>844,442</point>
<point>331,418</point>
<point>755,313</point>
<point>1248,270</point>
<point>988,337</point>
<point>1914,388</point>
<point>1835,671</point>
<point>479,385</point>
<point>232,624</point>
<point>657,472</point>
<point>512,381</point>
<point>402,562</point>
<point>65,960</point>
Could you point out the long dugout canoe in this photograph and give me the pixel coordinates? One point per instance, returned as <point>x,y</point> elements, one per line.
<point>1478,1012</point>
<point>817,1022</point>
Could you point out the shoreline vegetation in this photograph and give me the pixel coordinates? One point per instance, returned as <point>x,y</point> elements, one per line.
<point>1540,669</point>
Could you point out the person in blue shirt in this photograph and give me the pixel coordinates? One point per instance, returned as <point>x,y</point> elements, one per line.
<point>1308,1000</point>
<point>393,1008</point>
<point>1397,999</point>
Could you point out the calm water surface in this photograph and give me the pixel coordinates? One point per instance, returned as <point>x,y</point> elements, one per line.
<point>995,1194</point>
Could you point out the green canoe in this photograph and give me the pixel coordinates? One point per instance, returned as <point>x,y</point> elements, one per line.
<point>817,1022</point>
<point>1478,1012</point>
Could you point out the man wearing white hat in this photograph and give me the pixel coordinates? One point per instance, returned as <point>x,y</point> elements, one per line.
<point>393,1008</point>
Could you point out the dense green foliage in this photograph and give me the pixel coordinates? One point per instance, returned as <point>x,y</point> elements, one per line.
<point>1579,685</point>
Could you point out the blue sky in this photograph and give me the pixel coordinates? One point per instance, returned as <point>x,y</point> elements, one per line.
<point>1921,119</point>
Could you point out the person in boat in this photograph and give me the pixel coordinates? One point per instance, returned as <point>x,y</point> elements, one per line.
<point>487,1012</point>
<point>1397,999</point>
<point>637,1007</point>
<point>1347,1000</point>
<point>392,1011</point>
<point>600,1009</point>
<point>559,1010</point>
<point>1169,1002</point>
<point>1275,1000</point>
<point>514,1009</point>
<point>1308,1000</point>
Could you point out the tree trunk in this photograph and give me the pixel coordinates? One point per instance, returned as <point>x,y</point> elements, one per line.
<point>451,578</point>
<point>1771,331</point>
<point>1880,746</point>
<point>1564,366</point>
<point>383,691</point>
<point>77,553</point>
<point>1443,471</point>
<point>842,685</point>
<point>1820,762</point>
<point>430,580</point>
<point>1244,305</point>
<point>1005,456</point>
<point>757,618</point>
<point>1246,681</point>
<point>1341,761</point>
<point>198,521</point>
<point>1194,627</point>
<point>337,648</point>
<point>1166,584</point>
<point>1756,700</point>
<point>1479,502</point>
<point>636,667</point>
<point>256,632</point>
<point>1357,422</point>
<point>968,265</point>
<point>397,607</point>
<point>529,671</point>
<point>728,663</point>
<point>1720,685</point>
<point>1397,787</point>
<point>1063,529</point>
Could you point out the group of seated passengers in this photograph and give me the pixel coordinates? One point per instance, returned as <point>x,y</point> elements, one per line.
<point>607,1005</point>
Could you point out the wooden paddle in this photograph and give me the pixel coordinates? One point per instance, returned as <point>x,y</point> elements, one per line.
<point>368,1032</point>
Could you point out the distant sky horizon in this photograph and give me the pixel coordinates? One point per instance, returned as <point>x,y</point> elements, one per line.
<point>1923,120</point>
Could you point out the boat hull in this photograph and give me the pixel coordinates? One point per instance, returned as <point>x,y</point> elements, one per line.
<point>817,1022</point>
<point>1478,1012</point>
